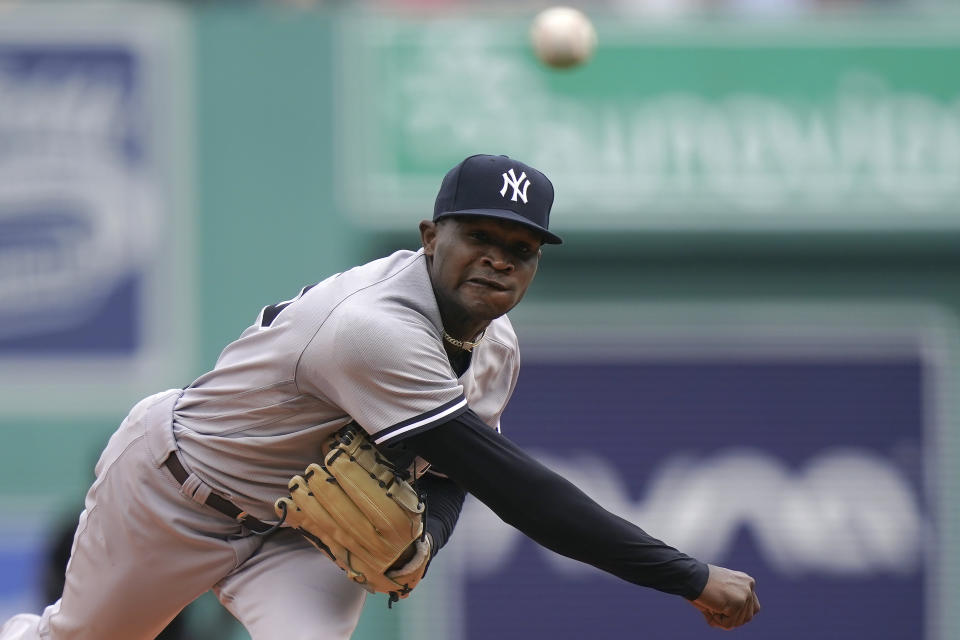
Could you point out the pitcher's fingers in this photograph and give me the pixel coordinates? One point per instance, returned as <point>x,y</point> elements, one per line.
<point>708,616</point>
<point>745,614</point>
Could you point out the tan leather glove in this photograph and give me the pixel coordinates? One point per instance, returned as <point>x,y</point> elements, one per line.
<point>356,508</point>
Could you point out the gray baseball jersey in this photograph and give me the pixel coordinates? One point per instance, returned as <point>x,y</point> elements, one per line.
<point>362,345</point>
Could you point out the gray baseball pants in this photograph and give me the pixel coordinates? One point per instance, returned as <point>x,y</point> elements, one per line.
<point>144,549</point>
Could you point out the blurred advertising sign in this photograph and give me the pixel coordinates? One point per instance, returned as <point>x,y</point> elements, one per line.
<point>811,451</point>
<point>92,203</point>
<point>750,125</point>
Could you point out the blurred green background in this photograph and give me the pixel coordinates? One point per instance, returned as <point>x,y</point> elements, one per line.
<point>282,128</point>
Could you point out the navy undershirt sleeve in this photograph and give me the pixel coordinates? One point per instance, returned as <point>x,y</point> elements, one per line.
<point>551,510</point>
<point>444,500</point>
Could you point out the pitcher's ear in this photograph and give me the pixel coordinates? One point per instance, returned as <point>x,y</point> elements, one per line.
<point>428,235</point>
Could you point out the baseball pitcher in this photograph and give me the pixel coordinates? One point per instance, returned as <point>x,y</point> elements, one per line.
<point>327,454</point>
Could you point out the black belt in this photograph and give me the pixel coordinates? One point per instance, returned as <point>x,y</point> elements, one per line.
<point>220,504</point>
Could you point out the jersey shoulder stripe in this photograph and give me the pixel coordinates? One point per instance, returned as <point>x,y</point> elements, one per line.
<point>424,421</point>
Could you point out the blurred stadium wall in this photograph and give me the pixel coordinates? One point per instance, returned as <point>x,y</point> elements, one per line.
<point>748,343</point>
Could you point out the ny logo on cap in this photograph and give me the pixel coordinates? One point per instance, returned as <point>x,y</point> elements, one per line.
<point>510,179</point>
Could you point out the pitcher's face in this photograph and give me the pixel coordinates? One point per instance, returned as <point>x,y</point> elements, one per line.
<point>480,266</point>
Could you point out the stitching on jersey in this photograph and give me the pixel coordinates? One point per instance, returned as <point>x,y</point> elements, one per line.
<point>185,421</point>
<point>501,343</point>
<point>106,469</point>
<point>261,424</point>
<point>416,260</point>
<point>249,392</point>
<point>515,354</point>
<point>81,533</point>
<point>245,427</point>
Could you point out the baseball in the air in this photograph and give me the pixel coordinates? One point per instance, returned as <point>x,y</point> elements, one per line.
<point>563,37</point>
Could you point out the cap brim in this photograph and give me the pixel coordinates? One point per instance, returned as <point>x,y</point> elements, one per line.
<point>505,214</point>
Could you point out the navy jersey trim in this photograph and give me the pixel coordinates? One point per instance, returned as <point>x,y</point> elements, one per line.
<point>424,421</point>
<point>269,313</point>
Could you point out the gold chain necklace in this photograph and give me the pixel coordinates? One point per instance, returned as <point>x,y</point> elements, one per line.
<point>466,345</point>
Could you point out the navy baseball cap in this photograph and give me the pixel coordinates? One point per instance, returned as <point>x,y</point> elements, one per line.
<point>497,187</point>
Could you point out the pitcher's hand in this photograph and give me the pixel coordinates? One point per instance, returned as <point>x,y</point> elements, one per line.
<point>729,598</point>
